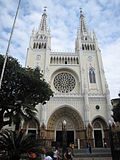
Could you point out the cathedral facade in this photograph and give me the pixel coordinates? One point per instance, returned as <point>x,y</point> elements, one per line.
<point>81,94</point>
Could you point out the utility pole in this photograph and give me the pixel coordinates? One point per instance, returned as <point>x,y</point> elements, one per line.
<point>6,55</point>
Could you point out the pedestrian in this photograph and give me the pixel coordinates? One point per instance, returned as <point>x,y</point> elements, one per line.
<point>32,155</point>
<point>58,155</point>
<point>72,148</point>
<point>68,155</point>
<point>87,149</point>
<point>43,155</point>
<point>55,153</point>
<point>105,145</point>
<point>48,156</point>
<point>90,148</point>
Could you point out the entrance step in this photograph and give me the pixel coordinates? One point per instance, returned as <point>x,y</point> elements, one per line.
<point>97,154</point>
<point>94,158</point>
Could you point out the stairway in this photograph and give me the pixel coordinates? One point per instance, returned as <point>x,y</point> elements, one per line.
<point>97,154</point>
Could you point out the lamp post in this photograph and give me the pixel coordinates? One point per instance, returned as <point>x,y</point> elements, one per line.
<point>64,138</point>
<point>85,129</point>
<point>111,139</point>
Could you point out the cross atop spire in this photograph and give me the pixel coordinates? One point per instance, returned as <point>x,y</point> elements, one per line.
<point>83,27</point>
<point>44,12</point>
<point>43,23</point>
<point>81,14</point>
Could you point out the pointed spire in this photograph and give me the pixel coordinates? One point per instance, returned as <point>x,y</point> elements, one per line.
<point>94,36</point>
<point>33,31</point>
<point>43,24</point>
<point>83,27</point>
<point>95,39</point>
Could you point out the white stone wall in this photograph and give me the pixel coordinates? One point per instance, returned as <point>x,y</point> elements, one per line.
<point>85,96</point>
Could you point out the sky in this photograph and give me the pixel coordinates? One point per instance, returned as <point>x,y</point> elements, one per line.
<point>102,16</point>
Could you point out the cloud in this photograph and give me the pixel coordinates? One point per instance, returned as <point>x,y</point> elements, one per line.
<point>63,18</point>
<point>111,60</point>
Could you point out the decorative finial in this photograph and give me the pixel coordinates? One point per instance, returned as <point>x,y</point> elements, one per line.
<point>80,10</point>
<point>45,8</point>
<point>44,11</point>
<point>81,14</point>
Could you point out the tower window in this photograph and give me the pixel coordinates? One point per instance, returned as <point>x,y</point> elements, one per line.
<point>92,75</point>
<point>82,47</point>
<point>65,61</point>
<point>45,45</point>
<point>34,45</point>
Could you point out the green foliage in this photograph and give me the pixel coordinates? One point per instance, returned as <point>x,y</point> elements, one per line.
<point>17,143</point>
<point>116,114</point>
<point>22,89</point>
<point>116,109</point>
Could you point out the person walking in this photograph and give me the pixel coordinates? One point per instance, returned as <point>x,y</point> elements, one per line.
<point>56,154</point>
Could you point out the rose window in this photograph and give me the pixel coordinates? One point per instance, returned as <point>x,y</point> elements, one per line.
<point>64,82</point>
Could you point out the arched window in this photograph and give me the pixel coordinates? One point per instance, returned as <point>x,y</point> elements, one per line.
<point>45,46</point>
<point>82,47</point>
<point>51,60</point>
<point>92,75</point>
<point>88,46</point>
<point>93,47</point>
<point>39,45</point>
<point>34,45</point>
<point>65,60</point>
<point>77,61</point>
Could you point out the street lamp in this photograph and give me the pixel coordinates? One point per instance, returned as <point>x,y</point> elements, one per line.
<point>64,138</point>
<point>85,141</point>
<point>111,139</point>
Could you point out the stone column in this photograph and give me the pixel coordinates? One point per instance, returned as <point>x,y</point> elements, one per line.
<point>109,106</point>
<point>87,108</point>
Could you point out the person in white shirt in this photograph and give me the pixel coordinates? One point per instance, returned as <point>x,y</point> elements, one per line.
<point>48,158</point>
<point>55,154</point>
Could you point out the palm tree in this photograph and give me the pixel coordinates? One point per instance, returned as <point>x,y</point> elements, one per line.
<point>17,143</point>
<point>26,114</point>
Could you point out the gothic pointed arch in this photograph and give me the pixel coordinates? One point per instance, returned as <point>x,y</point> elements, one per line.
<point>92,77</point>
<point>67,113</point>
<point>100,120</point>
<point>100,131</point>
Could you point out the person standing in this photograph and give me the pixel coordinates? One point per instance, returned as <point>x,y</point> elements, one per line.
<point>72,149</point>
<point>87,149</point>
<point>48,156</point>
<point>55,154</point>
<point>90,148</point>
<point>68,155</point>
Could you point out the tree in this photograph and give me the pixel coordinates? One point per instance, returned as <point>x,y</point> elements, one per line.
<point>116,109</point>
<point>22,89</point>
<point>17,143</point>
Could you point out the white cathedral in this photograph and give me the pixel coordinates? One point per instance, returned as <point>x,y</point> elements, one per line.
<point>81,94</point>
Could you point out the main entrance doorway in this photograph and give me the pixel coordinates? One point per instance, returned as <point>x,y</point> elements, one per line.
<point>98,138</point>
<point>70,137</point>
